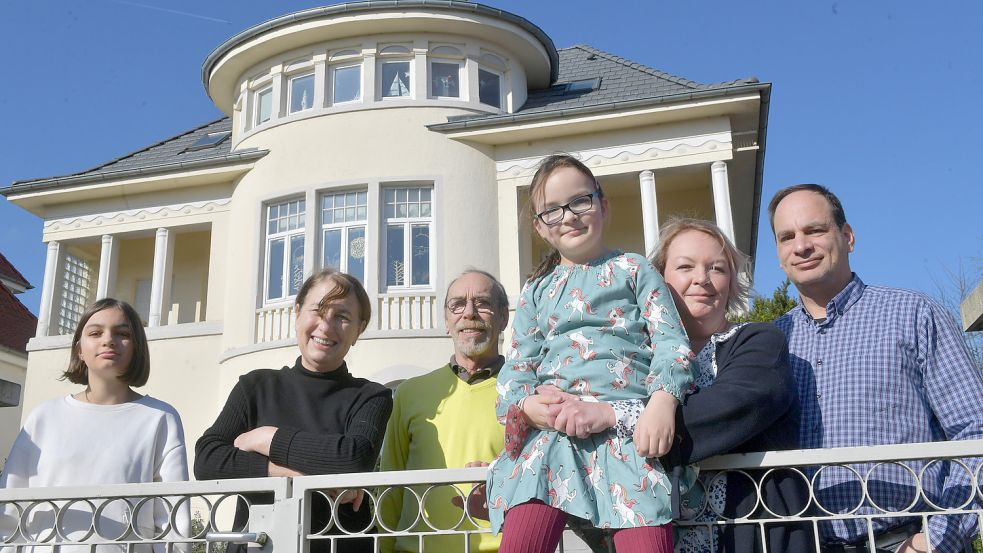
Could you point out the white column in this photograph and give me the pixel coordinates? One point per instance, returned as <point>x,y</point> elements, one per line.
<point>107,266</point>
<point>52,266</point>
<point>721,198</point>
<point>160,287</point>
<point>650,210</point>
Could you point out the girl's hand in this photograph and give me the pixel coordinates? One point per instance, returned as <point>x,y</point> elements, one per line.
<point>257,440</point>
<point>536,409</point>
<point>551,390</point>
<point>583,418</point>
<point>656,425</point>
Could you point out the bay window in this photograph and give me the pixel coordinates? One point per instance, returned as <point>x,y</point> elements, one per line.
<point>343,220</point>
<point>346,83</point>
<point>408,223</point>
<point>264,105</point>
<point>284,249</point>
<point>301,93</point>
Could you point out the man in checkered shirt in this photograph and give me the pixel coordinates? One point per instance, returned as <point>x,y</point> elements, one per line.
<point>873,365</point>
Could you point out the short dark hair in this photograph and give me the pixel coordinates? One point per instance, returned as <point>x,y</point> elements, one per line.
<point>137,372</point>
<point>344,284</point>
<point>839,216</point>
<point>501,297</point>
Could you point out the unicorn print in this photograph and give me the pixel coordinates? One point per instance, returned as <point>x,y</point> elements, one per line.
<point>582,344</point>
<point>578,304</point>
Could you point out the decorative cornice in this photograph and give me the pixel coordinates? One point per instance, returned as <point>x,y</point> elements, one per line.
<point>661,149</point>
<point>130,215</point>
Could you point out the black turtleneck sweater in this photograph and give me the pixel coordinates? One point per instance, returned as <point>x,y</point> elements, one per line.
<point>328,423</point>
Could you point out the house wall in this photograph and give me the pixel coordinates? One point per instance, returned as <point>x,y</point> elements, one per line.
<point>13,366</point>
<point>189,286</point>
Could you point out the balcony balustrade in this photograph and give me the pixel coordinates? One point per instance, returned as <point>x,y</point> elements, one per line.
<point>197,514</point>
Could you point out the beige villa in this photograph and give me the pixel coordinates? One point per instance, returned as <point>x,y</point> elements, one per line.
<point>394,141</point>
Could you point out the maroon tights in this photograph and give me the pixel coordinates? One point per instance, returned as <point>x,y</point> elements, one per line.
<point>535,527</point>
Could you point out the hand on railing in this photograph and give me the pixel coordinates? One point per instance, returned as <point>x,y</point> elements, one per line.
<point>915,544</point>
<point>354,497</point>
<point>477,501</point>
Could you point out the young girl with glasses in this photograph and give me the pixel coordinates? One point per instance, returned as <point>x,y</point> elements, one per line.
<point>600,325</point>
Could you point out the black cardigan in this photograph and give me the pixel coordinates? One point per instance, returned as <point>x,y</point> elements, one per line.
<point>751,406</point>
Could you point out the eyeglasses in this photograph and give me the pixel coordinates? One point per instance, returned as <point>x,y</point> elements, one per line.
<point>578,205</point>
<point>481,305</point>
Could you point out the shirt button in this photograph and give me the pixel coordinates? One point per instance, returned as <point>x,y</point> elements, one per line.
<point>819,362</point>
<point>819,395</point>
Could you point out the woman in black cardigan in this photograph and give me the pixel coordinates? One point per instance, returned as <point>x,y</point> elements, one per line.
<point>311,417</point>
<point>745,400</point>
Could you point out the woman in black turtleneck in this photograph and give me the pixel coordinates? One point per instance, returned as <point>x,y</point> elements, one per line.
<point>313,417</point>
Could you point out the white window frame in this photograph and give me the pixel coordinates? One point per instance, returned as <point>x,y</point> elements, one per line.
<point>287,237</point>
<point>407,223</point>
<point>290,91</point>
<point>461,77</point>
<point>258,103</point>
<point>501,87</point>
<point>344,227</point>
<point>345,65</point>
<point>380,85</point>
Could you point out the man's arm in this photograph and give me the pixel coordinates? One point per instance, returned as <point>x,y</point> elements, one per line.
<point>395,451</point>
<point>953,385</point>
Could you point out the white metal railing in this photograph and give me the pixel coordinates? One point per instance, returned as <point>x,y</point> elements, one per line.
<point>406,312</point>
<point>284,521</point>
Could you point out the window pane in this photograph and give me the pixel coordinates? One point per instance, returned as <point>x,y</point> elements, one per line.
<point>332,249</point>
<point>421,254</point>
<point>444,79</point>
<point>356,253</point>
<point>347,84</point>
<point>296,263</point>
<point>425,210</point>
<point>395,260</point>
<point>414,210</point>
<point>390,211</point>
<point>489,88</point>
<point>302,93</point>
<point>264,101</point>
<point>390,195</point>
<point>395,79</point>
<point>274,282</point>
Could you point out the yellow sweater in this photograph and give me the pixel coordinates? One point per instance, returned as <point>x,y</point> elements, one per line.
<point>438,421</point>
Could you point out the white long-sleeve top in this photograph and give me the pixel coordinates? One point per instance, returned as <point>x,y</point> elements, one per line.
<point>66,442</point>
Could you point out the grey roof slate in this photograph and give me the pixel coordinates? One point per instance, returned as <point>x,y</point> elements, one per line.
<point>621,81</point>
<point>168,151</point>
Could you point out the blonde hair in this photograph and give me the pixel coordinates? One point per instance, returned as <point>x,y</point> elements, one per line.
<point>740,287</point>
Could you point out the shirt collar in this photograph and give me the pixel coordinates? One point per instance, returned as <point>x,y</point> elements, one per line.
<point>849,295</point>
<point>485,372</point>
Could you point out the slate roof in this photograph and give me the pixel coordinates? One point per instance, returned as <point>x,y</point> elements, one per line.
<point>622,83</point>
<point>9,272</point>
<point>167,155</point>
<point>620,80</point>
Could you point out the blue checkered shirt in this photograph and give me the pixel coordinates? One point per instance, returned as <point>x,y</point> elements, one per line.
<point>887,366</point>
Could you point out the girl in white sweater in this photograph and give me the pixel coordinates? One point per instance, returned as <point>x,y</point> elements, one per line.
<point>106,433</point>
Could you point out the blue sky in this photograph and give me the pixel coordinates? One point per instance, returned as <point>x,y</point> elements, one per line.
<point>882,101</point>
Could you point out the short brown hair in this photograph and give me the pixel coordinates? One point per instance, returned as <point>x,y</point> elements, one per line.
<point>739,286</point>
<point>839,216</point>
<point>344,284</point>
<point>137,372</point>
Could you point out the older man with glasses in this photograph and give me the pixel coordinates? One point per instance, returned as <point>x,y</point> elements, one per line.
<point>446,418</point>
